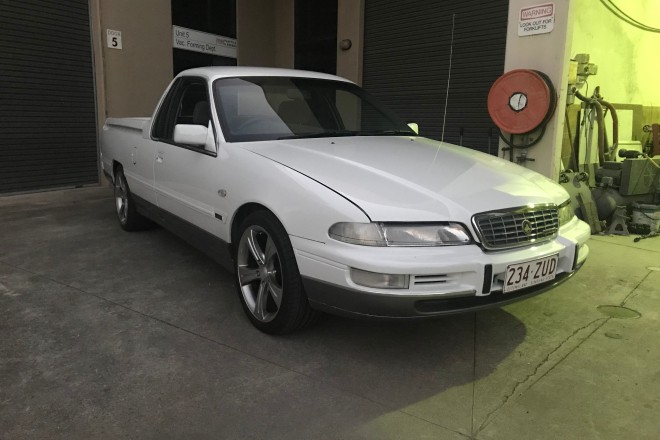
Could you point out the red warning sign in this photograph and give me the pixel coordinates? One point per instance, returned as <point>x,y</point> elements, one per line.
<point>539,19</point>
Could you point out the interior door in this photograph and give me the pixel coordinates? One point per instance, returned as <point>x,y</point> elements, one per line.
<point>315,36</point>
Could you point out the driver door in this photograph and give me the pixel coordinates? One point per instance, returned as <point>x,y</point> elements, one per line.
<point>187,177</point>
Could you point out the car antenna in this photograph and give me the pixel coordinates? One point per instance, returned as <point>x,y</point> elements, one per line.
<point>451,54</point>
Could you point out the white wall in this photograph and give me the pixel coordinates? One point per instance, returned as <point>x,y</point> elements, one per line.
<point>548,53</point>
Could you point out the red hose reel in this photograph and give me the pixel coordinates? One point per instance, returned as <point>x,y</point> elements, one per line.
<point>522,100</point>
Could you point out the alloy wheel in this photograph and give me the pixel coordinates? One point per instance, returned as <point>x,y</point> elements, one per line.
<point>121,198</point>
<point>259,273</point>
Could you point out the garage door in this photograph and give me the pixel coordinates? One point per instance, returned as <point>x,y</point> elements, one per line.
<point>48,128</point>
<point>407,47</point>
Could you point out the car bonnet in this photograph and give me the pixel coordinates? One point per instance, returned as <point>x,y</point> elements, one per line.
<point>412,178</point>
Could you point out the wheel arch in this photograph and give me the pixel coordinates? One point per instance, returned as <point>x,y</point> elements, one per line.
<point>241,214</point>
<point>277,273</point>
<point>116,165</point>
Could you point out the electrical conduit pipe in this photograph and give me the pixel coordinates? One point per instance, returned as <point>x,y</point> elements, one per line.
<point>601,128</point>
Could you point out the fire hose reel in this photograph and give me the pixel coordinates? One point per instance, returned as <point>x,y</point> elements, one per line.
<point>522,101</point>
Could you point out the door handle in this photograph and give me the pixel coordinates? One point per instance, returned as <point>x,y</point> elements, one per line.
<point>159,157</point>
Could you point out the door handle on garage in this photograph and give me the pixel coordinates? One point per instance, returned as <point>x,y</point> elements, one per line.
<point>159,157</point>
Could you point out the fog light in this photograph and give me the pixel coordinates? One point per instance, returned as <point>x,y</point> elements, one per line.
<point>379,280</point>
<point>581,252</point>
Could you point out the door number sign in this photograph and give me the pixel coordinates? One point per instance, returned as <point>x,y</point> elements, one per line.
<point>114,39</point>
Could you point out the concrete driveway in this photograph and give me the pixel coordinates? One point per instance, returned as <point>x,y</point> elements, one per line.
<point>108,334</point>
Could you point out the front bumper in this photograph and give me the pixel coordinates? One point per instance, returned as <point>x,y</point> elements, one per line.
<point>349,302</point>
<point>443,280</point>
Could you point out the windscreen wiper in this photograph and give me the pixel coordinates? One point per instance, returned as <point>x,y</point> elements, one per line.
<point>338,133</point>
<point>322,134</point>
<point>387,133</point>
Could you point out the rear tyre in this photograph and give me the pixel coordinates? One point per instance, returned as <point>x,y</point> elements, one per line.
<point>269,283</point>
<point>129,218</point>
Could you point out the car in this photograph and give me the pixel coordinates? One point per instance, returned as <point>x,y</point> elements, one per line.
<point>320,199</point>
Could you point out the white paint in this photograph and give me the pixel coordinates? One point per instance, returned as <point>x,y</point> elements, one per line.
<point>113,39</point>
<point>345,179</point>
<point>549,54</point>
<point>625,124</point>
<point>196,41</point>
<point>538,19</point>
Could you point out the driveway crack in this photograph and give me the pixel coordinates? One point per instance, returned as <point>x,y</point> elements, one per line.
<point>539,371</point>
<point>633,293</point>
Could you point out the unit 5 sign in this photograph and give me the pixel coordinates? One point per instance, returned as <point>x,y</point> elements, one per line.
<point>113,38</point>
<point>203,42</point>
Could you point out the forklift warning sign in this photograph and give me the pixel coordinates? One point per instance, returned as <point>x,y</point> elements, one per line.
<point>539,19</point>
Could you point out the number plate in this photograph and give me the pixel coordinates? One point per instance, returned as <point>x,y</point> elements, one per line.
<point>530,273</point>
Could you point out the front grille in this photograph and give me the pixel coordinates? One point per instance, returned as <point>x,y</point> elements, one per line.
<point>518,227</point>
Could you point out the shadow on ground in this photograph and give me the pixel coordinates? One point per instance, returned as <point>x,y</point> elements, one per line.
<point>107,333</point>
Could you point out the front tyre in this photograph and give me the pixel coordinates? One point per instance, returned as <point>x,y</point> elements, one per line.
<point>269,284</point>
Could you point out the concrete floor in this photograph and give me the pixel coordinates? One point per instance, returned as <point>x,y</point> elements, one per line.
<point>108,334</point>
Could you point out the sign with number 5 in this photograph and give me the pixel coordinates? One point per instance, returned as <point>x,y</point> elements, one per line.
<point>114,39</point>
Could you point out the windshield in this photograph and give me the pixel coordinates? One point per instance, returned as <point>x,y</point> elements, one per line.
<point>270,108</point>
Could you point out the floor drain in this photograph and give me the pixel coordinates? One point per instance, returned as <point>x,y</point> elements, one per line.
<point>619,312</point>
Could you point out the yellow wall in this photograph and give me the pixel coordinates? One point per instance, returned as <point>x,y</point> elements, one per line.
<point>264,31</point>
<point>628,58</point>
<point>350,26</point>
<point>130,81</point>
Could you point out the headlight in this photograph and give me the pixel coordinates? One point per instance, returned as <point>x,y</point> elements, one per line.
<point>400,234</point>
<point>565,212</point>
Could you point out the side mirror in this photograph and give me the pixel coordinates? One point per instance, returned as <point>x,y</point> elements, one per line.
<point>189,134</point>
<point>414,127</point>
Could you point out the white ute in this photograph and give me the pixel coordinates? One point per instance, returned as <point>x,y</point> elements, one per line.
<point>319,198</point>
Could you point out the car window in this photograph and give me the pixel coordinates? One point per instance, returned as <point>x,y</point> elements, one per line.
<point>359,114</point>
<point>186,103</point>
<point>193,107</point>
<point>164,114</point>
<point>268,108</point>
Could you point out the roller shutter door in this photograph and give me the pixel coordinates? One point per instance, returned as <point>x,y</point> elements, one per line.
<point>407,47</point>
<point>47,105</point>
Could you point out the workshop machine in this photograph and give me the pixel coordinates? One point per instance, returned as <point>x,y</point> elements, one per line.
<point>614,186</point>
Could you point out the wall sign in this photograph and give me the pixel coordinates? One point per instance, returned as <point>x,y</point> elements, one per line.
<point>189,39</point>
<point>539,19</point>
<point>113,39</point>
